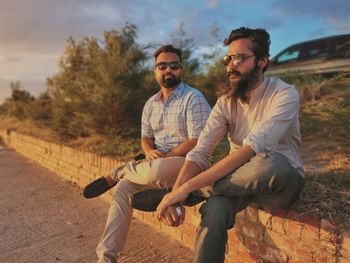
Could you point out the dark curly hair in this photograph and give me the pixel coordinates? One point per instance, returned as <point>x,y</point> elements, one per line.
<point>259,37</point>
<point>168,49</point>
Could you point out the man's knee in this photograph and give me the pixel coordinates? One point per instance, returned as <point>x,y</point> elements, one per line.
<point>266,172</point>
<point>217,212</point>
<point>164,171</point>
<point>267,162</point>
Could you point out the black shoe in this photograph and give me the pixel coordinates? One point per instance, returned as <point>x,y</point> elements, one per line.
<point>149,200</point>
<point>100,185</point>
<point>140,156</point>
<point>97,188</point>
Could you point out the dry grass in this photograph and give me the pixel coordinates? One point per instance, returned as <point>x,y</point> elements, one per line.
<point>29,128</point>
<point>325,126</point>
<point>115,146</point>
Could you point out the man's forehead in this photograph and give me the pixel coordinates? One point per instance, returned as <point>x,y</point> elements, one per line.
<point>167,56</point>
<point>240,46</point>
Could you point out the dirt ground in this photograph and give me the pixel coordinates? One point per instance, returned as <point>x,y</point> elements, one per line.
<point>46,219</point>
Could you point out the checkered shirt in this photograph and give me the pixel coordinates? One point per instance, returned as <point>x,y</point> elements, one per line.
<point>183,116</point>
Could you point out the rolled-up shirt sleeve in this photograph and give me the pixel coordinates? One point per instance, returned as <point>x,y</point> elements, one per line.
<point>213,132</point>
<point>266,134</point>
<point>146,129</point>
<point>196,115</point>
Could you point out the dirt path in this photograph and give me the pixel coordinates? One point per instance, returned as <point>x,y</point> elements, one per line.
<point>45,219</point>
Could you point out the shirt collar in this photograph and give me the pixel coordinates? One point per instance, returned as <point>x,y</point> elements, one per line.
<point>180,89</point>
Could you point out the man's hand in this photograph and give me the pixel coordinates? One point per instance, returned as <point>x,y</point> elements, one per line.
<point>173,215</point>
<point>154,154</point>
<point>171,199</point>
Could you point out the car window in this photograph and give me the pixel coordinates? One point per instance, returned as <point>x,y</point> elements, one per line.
<point>342,46</point>
<point>315,49</point>
<point>288,55</point>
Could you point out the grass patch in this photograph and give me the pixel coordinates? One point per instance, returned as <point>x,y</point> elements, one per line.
<point>327,195</point>
<point>116,146</point>
<point>122,147</point>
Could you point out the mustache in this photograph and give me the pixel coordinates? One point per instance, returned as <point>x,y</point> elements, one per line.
<point>168,75</point>
<point>235,73</point>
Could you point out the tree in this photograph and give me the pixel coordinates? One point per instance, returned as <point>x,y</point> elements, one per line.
<point>215,73</point>
<point>18,105</point>
<point>41,109</point>
<point>99,88</point>
<point>190,66</point>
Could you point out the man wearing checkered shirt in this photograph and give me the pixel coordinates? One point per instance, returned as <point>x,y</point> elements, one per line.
<point>172,120</point>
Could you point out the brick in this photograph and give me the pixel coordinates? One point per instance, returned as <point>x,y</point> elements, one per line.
<point>296,260</point>
<point>304,253</point>
<point>138,214</point>
<point>294,215</point>
<point>279,212</point>
<point>251,214</point>
<point>188,241</point>
<point>328,230</point>
<point>309,233</point>
<point>265,218</point>
<point>255,247</point>
<point>280,241</point>
<point>293,229</point>
<point>323,255</point>
<point>312,221</point>
<point>242,255</point>
<point>192,219</point>
<point>278,224</point>
<point>175,232</point>
<point>151,218</point>
<point>345,246</point>
<point>189,230</point>
<point>274,255</point>
<point>233,238</point>
<point>245,228</point>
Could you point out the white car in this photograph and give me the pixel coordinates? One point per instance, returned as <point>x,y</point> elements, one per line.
<point>320,56</point>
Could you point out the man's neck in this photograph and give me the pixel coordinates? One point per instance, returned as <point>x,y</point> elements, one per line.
<point>258,83</point>
<point>166,92</point>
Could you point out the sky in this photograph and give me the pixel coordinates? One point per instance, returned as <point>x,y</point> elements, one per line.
<point>34,33</point>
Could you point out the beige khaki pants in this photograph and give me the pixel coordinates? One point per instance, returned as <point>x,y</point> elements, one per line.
<point>135,177</point>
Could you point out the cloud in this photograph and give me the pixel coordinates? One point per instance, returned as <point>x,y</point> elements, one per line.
<point>334,13</point>
<point>33,33</point>
<point>10,59</point>
<point>212,4</point>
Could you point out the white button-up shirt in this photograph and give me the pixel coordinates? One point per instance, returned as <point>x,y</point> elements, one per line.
<point>269,123</point>
<point>181,117</point>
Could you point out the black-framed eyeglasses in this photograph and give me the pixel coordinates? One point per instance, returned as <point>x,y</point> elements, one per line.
<point>174,65</point>
<point>237,59</point>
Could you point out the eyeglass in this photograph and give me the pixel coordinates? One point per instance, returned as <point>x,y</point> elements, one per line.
<point>237,59</point>
<point>174,65</point>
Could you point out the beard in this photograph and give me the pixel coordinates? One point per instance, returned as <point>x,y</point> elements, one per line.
<point>246,81</point>
<point>170,80</point>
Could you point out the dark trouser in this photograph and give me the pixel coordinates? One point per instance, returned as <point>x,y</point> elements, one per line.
<point>267,180</point>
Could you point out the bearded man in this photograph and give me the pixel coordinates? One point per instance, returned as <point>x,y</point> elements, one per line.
<point>172,120</point>
<point>260,117</point>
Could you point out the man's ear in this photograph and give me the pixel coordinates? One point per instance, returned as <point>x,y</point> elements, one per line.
<point>263,62</point>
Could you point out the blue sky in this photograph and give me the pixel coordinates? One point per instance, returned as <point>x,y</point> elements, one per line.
<point>33,33</point>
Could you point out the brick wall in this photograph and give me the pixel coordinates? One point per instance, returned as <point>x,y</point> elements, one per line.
<point>258,235</point>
